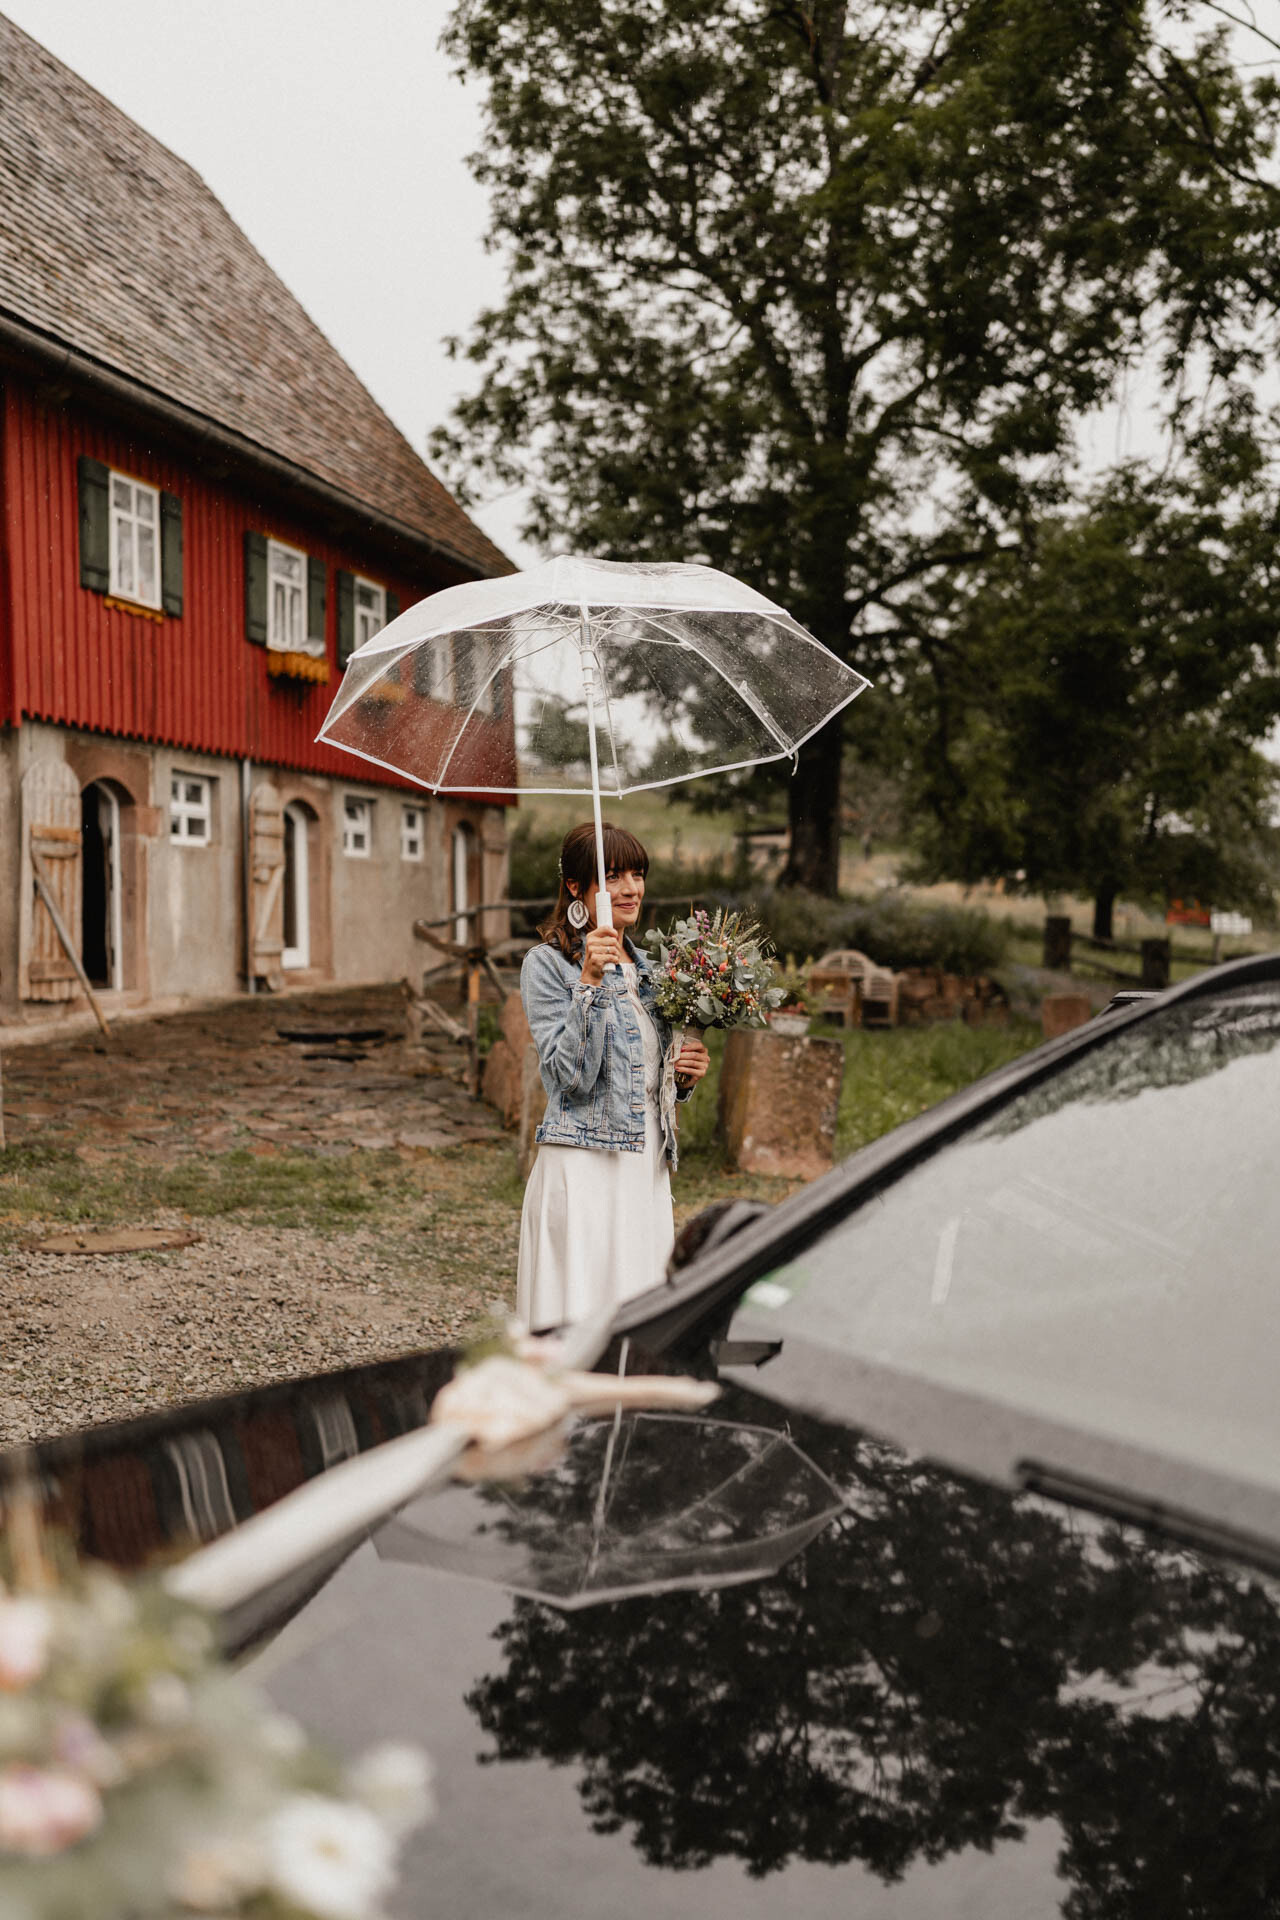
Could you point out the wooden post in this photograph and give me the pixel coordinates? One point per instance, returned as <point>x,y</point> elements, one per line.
<point>1155,963</point>
<point>473,1026</point>
<point>1057,942</point>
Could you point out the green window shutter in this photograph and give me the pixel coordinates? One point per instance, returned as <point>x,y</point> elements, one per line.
<point>346,585</point>
<point>393,606</point>
<point>95,525</point>
<point>171,553</point>
<point>255,588</point>
<point>317,594</point>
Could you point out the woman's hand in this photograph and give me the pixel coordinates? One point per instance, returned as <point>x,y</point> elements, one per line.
<point>692,1062</point>
<point>601,949</point>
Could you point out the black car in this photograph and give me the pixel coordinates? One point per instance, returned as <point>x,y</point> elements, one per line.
<point>958,1602</point>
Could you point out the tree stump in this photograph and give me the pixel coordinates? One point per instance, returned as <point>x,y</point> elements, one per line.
<point>778,1103</point>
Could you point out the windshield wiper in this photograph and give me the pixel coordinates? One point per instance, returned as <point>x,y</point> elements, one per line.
<point>1171,1523</point>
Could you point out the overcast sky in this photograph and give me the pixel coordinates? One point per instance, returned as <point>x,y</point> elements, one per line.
<point>335,134</point>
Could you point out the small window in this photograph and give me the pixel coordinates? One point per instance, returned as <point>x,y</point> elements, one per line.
<point>433,670</point>
<point>135,541</point>
<point>357,828</point>
<point>286,599</point>
<point>371,610</point>
<point>411,833</point>
<point>190,810</point>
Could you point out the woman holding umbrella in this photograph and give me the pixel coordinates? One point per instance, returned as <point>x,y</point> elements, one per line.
<point>597,1224</point>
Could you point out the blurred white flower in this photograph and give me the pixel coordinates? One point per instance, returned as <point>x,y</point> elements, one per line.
<point>395,1782</point>
<point>281,1736</point>
<point>45,1809</point>
<point>333,1860</point>
<point>25,1629</point>
<point>218,1870</point>
<point>165,1701</point>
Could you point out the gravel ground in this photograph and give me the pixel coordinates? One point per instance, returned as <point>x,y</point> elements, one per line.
<point>86,1338</point>
<point>94,1338</point>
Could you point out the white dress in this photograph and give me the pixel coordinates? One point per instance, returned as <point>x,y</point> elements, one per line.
<point>597,1225</point>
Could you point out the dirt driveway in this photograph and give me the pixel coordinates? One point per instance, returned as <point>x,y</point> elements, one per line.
<point>349,1201</point>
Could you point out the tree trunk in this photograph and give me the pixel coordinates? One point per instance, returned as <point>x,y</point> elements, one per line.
<point>813,859</point>
<point>1103,908</point>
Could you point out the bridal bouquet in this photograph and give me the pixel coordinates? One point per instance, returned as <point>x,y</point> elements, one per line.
<point>714,970</point>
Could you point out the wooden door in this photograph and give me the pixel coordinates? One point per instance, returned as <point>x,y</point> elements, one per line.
<point>50,830</point>
<point>266,892</point>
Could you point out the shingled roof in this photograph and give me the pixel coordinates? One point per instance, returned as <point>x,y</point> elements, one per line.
<point>113,246</point>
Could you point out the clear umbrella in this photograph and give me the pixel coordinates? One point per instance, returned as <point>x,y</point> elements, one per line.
<point>643,1503</point>
<point>586,676</point>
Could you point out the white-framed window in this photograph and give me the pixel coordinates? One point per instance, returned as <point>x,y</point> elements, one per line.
<point>135,540</point>
<point>357,828</point>
<point>190,809</point>
<point>371,610</point>
<point>286,598</point>
<point>433,670</point>
<point>413,821</point>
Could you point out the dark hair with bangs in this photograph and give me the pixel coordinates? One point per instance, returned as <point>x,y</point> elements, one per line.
<point>623,853</point>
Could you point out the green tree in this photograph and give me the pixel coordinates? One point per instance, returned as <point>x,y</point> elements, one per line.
<point>782,277</point>
<point>1093,712</point>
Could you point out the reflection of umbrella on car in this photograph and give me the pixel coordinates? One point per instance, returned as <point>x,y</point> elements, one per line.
<point>639,1504</point>
<point>698,671</point>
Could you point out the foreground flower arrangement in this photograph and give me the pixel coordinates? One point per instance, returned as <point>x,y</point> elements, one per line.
<point>143,1778</point>
<point>140,1775</point>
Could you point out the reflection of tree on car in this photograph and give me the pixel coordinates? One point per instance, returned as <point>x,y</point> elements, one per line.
<point>941,1668</point>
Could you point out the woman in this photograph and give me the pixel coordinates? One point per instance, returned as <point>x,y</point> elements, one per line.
<point>597,1224</point>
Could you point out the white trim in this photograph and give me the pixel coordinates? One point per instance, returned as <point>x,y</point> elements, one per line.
<point>288,641</point>
<point>183,809</point>
<point>118,515</point>
<point>298,955</point>
<point>413,839</point>
<point>109,804</point>
<point>353,827</point>
<point>463,834</point>
<point>379,612</point>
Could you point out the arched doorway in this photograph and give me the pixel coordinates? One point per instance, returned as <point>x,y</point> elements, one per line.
<point>297,888</point>
<point>464,841</point>
<point>102,895</point>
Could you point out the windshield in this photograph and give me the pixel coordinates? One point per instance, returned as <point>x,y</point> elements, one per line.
<point>1101,1252</point>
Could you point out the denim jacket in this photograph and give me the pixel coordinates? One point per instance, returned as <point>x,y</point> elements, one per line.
<point>591,1052</point>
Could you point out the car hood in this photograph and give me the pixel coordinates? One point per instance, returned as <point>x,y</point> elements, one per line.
<point>953,1699</point>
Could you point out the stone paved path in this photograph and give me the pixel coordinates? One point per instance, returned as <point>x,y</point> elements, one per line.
<point>200,1082</point>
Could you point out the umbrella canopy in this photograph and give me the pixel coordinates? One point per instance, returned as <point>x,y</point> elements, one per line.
<point>637,1504</point>
<point>680,669</point>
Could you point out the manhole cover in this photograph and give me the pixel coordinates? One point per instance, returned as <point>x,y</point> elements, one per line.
<point>116,1240</point>
<point>320,1036</point>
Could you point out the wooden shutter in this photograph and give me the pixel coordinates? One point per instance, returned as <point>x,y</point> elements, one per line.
<point>393,606</point>
<point>95,525</point>
<point>51,829</point>
<point>317,595</point>
<point>346,616</point>
<point>171,553</point>
<point>266,892</point>
<point>255,588</point>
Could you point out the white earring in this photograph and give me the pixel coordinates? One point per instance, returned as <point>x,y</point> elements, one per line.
<point>576,914</point>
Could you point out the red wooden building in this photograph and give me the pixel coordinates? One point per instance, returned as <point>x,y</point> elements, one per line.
<point>202,511</point>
